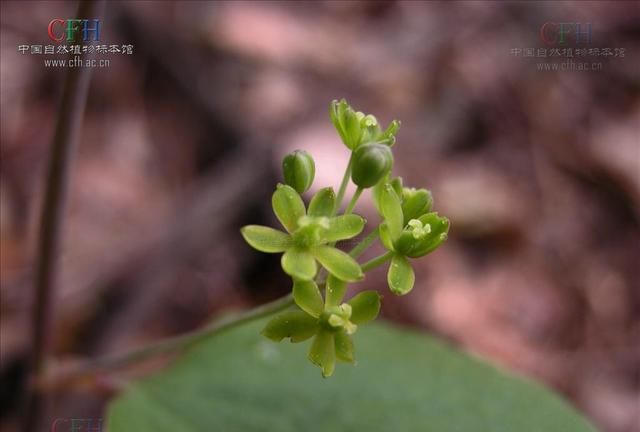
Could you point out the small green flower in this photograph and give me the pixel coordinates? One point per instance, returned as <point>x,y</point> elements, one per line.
<point>414,239</point>
<point>308,235</point>
<point>330,323</point>
<point>356,128</point>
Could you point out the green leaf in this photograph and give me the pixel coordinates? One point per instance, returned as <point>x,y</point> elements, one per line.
<point>322,203</point>
<point>400,277</point>
<point>287,206</point>
<point>335,289</point>
<point>364,307</point>
<point>323,352</point>
<point>266,239</point>
<point>297,325</point>
<point>404,381</point>
<point>344,347</point>
<point>307,295</point>
<point>338,263</point>
<point>391,210</point>
<point>299,264</point>
<point>344,227</point>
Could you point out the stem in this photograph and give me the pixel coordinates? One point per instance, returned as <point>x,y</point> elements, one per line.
<point>354,200</point>
<point>182,341</point>
<point>343,186</point>
<point>65,138</point>
<point>377,261</point>
<point>364,243</point>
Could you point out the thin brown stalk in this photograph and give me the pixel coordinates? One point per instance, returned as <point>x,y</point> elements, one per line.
<point>71,111</point>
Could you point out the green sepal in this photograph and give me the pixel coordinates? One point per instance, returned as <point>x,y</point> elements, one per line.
<point>437,236</point>
<point>299,170</point>
<point>299,264</point>
<point>391,210</point>
<point>385,237</point>
<point>338,263</point>
<point>266,239</point>
<point>346,122</point>
<point>323,352</point>
<point>297,325</point>
<point>400,276</point>
<point>344,227</point>
<point>415,203</point>
<point>307,296</point>
<point>334,291</point>
<point>344,347</point>
<point>376,191</point>
<point>365,307</point>
<point>389,135</point>
<point>287,206</point>
<point>322,203</point>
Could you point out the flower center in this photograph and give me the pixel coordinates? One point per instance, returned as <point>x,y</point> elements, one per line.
<point>338,318</point>
<point>418,231</point>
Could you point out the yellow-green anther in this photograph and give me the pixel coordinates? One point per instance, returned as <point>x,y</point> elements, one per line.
<point>418,230</point>
<point>336,321</point>
<point>339,318</point>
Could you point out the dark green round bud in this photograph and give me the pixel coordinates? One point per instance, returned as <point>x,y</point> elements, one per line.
<point>371,163</point>
<point>299,170</point>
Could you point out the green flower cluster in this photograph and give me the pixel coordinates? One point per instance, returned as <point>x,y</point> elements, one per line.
<point>408,230</point>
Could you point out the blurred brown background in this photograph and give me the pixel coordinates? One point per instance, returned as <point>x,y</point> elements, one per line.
<point>539,172</point>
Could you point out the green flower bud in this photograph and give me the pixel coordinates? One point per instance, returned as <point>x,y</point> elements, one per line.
<point>415,203</point>
<point>299,170</point>
<point>371,163</point>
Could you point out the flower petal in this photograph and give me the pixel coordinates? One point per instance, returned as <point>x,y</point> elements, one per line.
<point>323,352</point>
<point>287,206</point>
<point>391,210</point>
<point>297,325</point>
<point>364,307</point>
<point>344,227</point>
<point>338,263</point>
<point>401,276</point>
<point>299,264</point>
<point>307,295</point>
<point>322,203</point>
<point>335,289</point>
<point>344,347</point>
<point>266,239</point>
